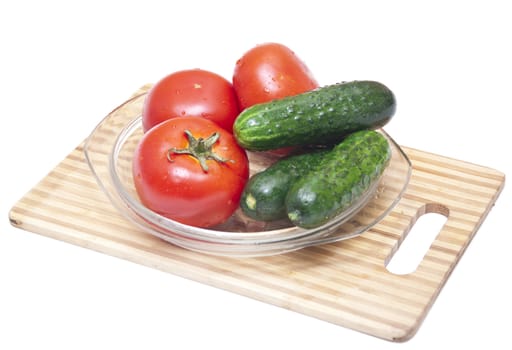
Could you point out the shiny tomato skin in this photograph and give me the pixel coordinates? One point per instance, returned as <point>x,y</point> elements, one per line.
<point>270,71</point>
<point>179,188</point>
<point>191,93</point>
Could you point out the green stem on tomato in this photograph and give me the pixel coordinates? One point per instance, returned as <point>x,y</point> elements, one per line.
<point>200,148</point>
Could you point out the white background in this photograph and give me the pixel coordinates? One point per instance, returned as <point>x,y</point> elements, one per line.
<point>64,65</point>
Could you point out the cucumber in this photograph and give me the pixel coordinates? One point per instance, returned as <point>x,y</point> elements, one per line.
<point>339,180</point>
<point>321,116</point>
<point>264,194</point>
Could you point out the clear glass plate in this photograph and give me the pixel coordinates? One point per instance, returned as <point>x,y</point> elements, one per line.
<point>109,150</point>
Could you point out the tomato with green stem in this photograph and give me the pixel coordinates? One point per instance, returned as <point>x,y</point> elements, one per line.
<point>190,170</point>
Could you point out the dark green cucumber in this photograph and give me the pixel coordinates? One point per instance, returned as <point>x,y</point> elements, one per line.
<point>339,181</point>
<point>264,194</point>
<point>321,116</point>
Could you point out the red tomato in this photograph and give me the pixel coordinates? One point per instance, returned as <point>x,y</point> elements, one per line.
<point>191,93</point>
<point>190,170</point>
<point>270,71</point>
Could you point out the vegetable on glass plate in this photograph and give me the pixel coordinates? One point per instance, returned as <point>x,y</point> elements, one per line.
<point>191,93</point>
<point>190,170</point>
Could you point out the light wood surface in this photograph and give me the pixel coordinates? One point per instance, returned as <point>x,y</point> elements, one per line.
<point>345,283</point>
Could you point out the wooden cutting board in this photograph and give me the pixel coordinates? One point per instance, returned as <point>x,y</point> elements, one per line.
<point>345,283</point>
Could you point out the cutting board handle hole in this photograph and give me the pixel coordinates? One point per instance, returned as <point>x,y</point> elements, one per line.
<point>424,229</point>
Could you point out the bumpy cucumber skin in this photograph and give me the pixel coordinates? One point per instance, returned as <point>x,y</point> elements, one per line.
<point>321,116</point>
<point>339,180</point>
<point>264,194</point>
